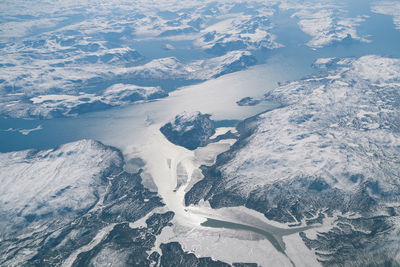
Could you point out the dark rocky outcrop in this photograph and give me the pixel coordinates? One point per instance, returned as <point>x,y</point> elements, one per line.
<point>190,130</point>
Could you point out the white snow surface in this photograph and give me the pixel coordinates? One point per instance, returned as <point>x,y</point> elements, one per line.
<point>327,25</point>
<point>39,183</point>
<point>115,95</point>
<point>165,68</point>
<point>43,104</point>
<point>52,49</point>
<point>225,245</point>
<point>251,31</point>
<point>390,8</point>
<point>341,123</point>
<point>183,122</point>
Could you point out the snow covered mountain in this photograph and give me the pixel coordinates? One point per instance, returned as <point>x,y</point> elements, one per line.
<point>47,103</point>
<point>76,206</point>
<point>53,49</point>
<point>311,178</point>
<point>330,150</point>
<point>56,201</point>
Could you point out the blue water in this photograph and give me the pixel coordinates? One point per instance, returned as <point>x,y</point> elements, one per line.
<point>294,60</point>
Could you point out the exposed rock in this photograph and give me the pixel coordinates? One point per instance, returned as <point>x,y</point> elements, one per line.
<point>248,101</point>
<point>67,197</point>
<point>330,148</point>
<point>189,130</point>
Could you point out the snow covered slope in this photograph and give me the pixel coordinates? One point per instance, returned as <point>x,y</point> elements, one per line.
<point>332,147</point>
<point>37,185</point>
<point>45,103</point>
<point>55,204</point>
<point>52,49</point>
